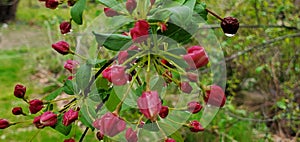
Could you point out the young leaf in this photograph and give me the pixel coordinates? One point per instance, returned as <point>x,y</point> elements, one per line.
<point>113,42</point>
<point>54,94</point>
<point>200,9</point>
<point>83,76</point>
<point>175,32</point>
<point>69,87</point>
<point>77,11</point>
<point>65,130</point>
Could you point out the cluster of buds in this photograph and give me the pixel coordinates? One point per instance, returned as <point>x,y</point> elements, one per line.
<point>53,4</point>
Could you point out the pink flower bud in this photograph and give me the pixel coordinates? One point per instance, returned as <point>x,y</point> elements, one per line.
<point>65,27</point>
<point>139,32</point>
<point>164,111</point>
<point>20,91</point>
<point>163,27</point>
<point>230,25</point>
<point>130,5</point>
<point>131,136</point>
<point>69,140</point>
<point>122,57</point>
<point>192,77</point>
<point>71,65</point>
<point>37,123</point>
<point>61,47</point>
<point>195,126</point>
<point>52,4</point>
<point>116,75</point>
<point>169,140</point>
<point>99,136</point>
<point>194,107</point>
<point>152,2</point>
<point>35,106</point>
<point>196,57</point>
<point>48,118</point>
<point>110,12</point>
<point>149,104</point>
<point>17,111</point>
<point>215,96</point>
<point>185,87</point>
<point>110,124</point>
<point>4,124</point>
<point>70,78</point>
<point>69,117</point>
<point>141,125</point>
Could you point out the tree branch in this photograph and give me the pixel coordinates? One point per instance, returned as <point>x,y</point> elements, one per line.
<point>216,26</point>
<point>262,45</point>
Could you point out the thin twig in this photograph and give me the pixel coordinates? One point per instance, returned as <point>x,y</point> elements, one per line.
<point>214,14</point>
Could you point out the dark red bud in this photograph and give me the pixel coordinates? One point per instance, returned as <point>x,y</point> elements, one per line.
<point>65,27</point>
<point>164,111</point>
<point>131,136</point>
<point>230,25</point>
<point>48,118</point>
<point>20,91</point>
<point>69,140</point>
<point>194,107</point>
<point>35,106</point>
<point>71,2</point>
<point>192,77</point>
<point>195,126</point>
<point>61,47</point>
<point>110,12</point>
<point>110,124</point>
<point>52,4</point>
<point>17,111</point>
<point>215,96</point>
<point>4,124</point>
<point>37,123</point>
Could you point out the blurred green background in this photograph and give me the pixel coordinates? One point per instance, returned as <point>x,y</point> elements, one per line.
<point>263,69</point>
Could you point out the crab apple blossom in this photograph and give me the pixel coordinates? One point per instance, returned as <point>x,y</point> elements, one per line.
<point>110,124</point>
<point>71,65</point>
<point>69,117</point>
<point>131,5</point>
<point>48,118</point>
<point>37,123</point>
<point>61,47</point>
<point>131,136</point>
<point>185,87</point>
<point>196,57</point>
<point>116,75</point>
<point>194,107</point>
<point>215,96</point>
<point>149,104</point>
<point>35,106</point>
<point>139,32</point>
<point>195,126</point>
<point>69,140</point>
<point>169,140</point>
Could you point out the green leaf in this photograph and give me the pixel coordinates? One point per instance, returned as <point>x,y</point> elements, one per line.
<point>87,113</point>
<point>69,87</point>
<point>169,129</point>
<point>97,63</point>
<point>54,94</point>
<point>113,42</point>
<point>175,32</point>
<point>200,9</point>
<point>86,121</point>
<point>77,11</point>
<point>157,83</point>
<point>112,4</point>
<point>179,61</point>
<point>65,130</point>
<point>112,101</point>
<point>83,76</point>
<point>151,126</point>
<point>177,51</point>
<point>281,104</point>
<point>190,4</point>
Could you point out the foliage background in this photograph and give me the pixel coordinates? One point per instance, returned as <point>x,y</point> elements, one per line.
<point>262,85</point>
